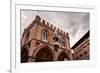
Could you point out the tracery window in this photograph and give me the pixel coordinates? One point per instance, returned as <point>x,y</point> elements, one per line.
<point>45,36</point>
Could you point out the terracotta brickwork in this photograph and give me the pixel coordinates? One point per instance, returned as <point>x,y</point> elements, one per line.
<point>35,48</point>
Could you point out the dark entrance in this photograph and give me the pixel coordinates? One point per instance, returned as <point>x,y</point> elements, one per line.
<point>62,56</point>
<point>24,55</point>
<point>44,55</point>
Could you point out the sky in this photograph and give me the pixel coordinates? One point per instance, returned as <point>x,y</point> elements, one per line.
<point>75,23</point>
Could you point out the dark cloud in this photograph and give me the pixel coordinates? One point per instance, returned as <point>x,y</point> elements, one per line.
<point>75,23</point>
<point>73,26</point>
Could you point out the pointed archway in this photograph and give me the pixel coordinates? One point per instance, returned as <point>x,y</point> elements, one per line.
<point>63,56</point>
<point>43,55</point>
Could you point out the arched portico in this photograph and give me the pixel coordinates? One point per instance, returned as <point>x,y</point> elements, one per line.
<point>43,54</point>
<point>63,56</point>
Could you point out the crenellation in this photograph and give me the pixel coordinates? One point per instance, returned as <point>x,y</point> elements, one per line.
<point>54,28</point>
<point>61,31</point>
<point>64,33</point>
<point>24,32</point>
<point>67,35</point>
<point>58,30</point>
<point>43,22</point>
<point>25,29</point>
<point>48,24</point>
<point>51,26</point>
<point>37,19</point>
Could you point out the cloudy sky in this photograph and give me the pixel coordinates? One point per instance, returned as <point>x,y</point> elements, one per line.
<point>75,23</point>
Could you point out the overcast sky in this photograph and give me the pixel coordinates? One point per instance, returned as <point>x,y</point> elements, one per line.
<point>75,23</point>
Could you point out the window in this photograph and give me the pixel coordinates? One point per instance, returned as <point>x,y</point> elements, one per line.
<point>45,36</point>
<point>63,42</point>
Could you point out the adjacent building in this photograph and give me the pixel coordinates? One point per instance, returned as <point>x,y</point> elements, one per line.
<point>81,50</point>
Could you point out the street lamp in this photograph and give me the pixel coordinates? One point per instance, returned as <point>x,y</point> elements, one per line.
<point>56,39</point>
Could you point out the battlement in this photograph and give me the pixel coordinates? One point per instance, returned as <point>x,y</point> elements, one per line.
<point>47,24</point>
<point>37,19</point>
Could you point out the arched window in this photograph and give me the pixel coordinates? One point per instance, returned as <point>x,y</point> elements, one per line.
<point>63,42</point>
<point>45,36</point>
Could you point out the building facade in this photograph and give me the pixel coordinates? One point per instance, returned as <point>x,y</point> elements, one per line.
<point>41,41</point>
<point>81,50</point>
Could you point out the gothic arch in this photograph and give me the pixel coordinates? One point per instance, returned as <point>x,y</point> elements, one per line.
<point>44,53</point>
<point>63,56</point>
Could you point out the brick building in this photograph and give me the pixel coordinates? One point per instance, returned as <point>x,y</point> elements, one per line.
<point>41,41</point>
<point>81,50</point>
